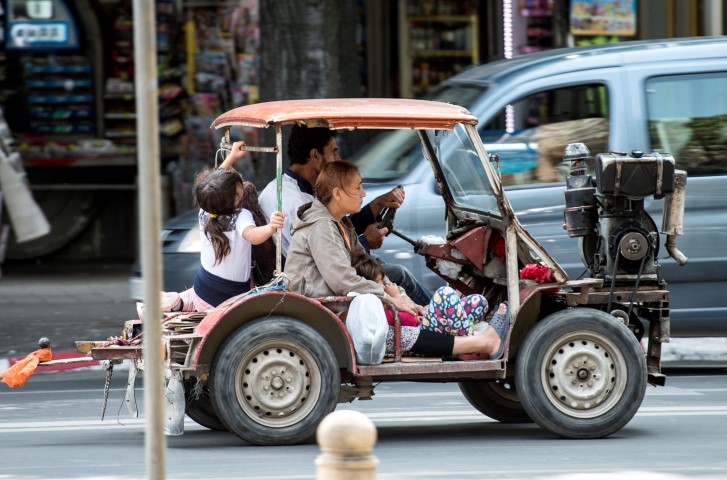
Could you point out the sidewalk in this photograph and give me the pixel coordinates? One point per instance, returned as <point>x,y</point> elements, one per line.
<point>64,302</point>
<point>90,301</point>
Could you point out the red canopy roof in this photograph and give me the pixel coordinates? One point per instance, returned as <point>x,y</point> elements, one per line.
<point>349,113</point>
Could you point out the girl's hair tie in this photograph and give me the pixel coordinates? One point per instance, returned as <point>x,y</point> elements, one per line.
<point>213,215</point>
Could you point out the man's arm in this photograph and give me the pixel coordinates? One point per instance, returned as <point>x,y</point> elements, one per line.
<point>363,219</point>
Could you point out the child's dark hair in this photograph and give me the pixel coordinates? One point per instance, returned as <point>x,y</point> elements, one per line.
<point>215,190</point>
<point>303,139</point>
<point>367,266</point>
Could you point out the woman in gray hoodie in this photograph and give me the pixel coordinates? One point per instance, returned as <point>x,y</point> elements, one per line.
<point>319,264</point>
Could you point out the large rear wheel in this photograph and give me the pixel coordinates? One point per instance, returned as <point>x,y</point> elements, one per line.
<point>581,374</point>
<point>274,380</point>
<point>498,399</point>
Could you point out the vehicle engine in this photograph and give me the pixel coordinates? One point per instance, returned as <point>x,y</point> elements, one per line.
<point>619,241</point>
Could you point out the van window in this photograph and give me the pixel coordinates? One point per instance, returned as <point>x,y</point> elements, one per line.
<point>688,118</point>
<point>531,134</point>
<point>389,155</point>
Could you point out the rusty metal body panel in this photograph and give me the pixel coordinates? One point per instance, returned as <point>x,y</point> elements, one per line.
<point>117,352</point>
<point>431,370</point>
<point>234,313</point>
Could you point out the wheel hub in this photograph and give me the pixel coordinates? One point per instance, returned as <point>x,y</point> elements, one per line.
<point>581,376</point>
<point>278,383</point>
<point>275,385</point>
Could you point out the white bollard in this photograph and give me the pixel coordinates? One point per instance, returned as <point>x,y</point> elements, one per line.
<point>346,439</point>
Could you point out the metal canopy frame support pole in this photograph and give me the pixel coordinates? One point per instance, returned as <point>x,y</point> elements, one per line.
<point>279,179</point>
<point>713,15</point>
<point>147,126</point>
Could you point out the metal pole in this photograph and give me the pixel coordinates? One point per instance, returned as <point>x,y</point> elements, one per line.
<point>279,178</point>
<point>713,12</point>
<point>147,128</point>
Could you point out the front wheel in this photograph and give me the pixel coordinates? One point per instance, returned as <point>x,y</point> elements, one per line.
<point>273,380</point>
<point>581,374</point>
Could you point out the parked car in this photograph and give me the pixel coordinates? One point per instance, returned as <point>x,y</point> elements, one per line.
<point>649,96</point>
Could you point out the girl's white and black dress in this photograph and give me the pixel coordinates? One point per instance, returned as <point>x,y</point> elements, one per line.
<point>215,283</point>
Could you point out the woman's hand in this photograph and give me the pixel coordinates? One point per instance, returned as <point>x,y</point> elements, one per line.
<point>405,304</point>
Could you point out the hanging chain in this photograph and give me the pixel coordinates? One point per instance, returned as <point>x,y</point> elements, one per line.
<point>109,367</point>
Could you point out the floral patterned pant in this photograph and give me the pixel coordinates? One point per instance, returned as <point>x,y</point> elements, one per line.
<point>448,313</point>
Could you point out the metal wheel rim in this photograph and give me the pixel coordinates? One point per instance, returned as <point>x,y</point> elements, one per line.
<point>584,374</point>
<point>278,383</point>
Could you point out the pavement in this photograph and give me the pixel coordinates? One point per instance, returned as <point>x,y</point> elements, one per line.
<point>62,301</point>
<point>90,301</point>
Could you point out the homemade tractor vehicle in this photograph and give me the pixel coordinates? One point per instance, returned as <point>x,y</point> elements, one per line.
<point>270,365</point>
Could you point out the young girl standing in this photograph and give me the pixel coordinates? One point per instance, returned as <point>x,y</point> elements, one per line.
<point>228,231</point>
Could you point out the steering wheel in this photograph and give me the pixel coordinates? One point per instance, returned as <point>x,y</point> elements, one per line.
<point>387,219</point>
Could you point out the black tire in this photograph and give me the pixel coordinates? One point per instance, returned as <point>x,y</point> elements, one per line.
<point>274,380</point>
<point>581,374</point>
<point>497,399</point>
<point>198,405</point>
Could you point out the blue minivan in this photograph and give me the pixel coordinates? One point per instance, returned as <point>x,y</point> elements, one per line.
<point>666,96</point>
<point>659,95</point>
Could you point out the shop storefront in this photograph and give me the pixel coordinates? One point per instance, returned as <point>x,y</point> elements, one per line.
<point>67,91</point>
<point>437,39</point>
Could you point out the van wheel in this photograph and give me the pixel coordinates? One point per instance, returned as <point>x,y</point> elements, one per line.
<point>198,405</point>
<point>273,380</point>
<point>497,399</point>
<point>581,374</point>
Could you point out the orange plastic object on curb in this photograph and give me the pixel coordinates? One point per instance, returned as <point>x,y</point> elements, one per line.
<point>18,374</point>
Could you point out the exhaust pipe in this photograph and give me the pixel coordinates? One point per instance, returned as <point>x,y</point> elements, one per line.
<point>673,221</point>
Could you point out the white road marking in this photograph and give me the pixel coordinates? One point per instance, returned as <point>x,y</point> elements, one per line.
<point>379,418</point>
